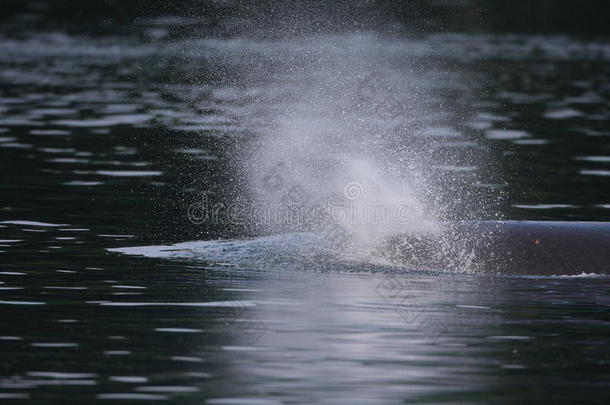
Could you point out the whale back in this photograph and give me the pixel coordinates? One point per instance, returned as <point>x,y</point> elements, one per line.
<point>507,247</point>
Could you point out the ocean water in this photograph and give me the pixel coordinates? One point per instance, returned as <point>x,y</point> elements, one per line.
<point>110,290</point>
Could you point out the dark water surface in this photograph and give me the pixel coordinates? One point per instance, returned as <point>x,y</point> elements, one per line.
<point>105,142</point>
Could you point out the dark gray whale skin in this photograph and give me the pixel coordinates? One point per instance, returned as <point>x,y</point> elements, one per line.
<point>515,247</point>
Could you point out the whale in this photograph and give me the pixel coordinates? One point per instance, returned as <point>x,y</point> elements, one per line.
<point>507,247</point>
<point>521,248</point>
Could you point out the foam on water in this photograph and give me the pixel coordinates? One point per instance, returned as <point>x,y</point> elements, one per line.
<point>286,251</point>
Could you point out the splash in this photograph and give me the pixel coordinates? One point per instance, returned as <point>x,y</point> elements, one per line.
<point>354,142</point>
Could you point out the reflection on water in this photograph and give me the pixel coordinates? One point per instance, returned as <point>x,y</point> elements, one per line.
<point>299,335</point>
<point>104,143</point>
